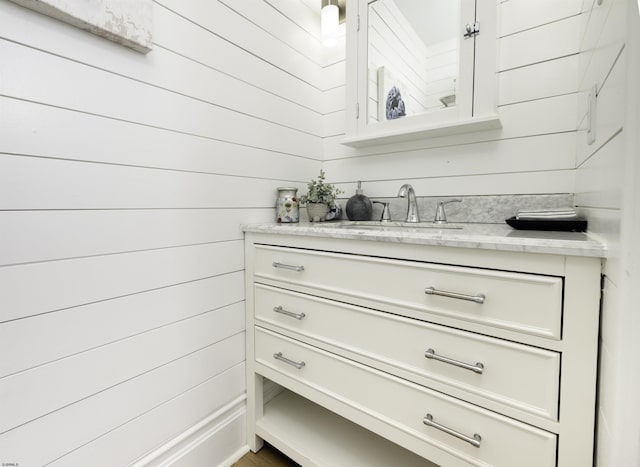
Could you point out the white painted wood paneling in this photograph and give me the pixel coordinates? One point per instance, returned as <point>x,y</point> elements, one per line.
<point>478,184</point>
<point>610,108</point>
<point>598,184</point>
<point>333,100</point>
<point>52,386</point>
<point>553,78</point>
<point>182,36</point>
<point>605,224</point>
<point>218,17</point>
<point>124,180</point>
<point>606,187</point>
<point>334,74</point>
<point>546,42</point>
<point>603,39</point>
<point>62,431</point>
<point>189,115</point>
<point>37,288</point>
<point>545,152</point>
<point>82,328</point>
<point>152,429</point>
<point>520,15</point>
<point>41,130</point>
<point>83,185</point>
<point>54,235</point>
<point>270,18</point>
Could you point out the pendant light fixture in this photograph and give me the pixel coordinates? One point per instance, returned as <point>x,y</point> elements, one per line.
<point>329,21</point>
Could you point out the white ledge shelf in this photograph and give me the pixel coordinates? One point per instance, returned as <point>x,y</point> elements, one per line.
<point>375,137</point>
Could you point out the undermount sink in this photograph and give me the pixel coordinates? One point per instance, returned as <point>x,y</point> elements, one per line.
<point>387,225</point>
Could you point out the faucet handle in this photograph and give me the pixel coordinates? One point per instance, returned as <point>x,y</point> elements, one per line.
<point>441,216</point>
<point>385,216</point>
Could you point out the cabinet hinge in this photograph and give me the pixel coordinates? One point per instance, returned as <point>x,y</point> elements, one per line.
<point>471,29</point>
<point>357,110</point>
<point>358,23</point>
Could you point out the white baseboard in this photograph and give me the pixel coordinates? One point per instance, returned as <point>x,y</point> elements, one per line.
<point>235,457</point>
<point>205,443</point>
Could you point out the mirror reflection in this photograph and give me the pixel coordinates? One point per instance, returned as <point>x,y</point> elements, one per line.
<point>413,57</point>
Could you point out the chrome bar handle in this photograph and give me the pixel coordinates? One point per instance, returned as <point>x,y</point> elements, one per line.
<point>278,356</point>
<point>475,441</point>
<point>288,266</point>
<point>297,316</point>
<point>478,298</point>
<point>477,368</point>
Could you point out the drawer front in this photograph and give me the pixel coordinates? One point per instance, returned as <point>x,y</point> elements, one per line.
<point>525,303</point>
<point>516,375</point>
<point>439,421</point>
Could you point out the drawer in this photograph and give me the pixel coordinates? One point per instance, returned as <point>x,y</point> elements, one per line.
<point>519,376</point>
<point>411,411</point>
<point>525,303</point>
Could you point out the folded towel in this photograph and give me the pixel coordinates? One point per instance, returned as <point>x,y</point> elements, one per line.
<point>549,214</point>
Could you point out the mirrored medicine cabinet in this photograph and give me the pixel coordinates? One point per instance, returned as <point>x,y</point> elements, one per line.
<point>419,68</point>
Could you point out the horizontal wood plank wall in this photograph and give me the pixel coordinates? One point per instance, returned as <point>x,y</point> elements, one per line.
<point>599,195</point>
<point>600,165</point>
<point>534,152</point>
<point>124,179</point>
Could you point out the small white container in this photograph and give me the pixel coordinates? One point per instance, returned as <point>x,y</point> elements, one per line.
<point>287,206</point>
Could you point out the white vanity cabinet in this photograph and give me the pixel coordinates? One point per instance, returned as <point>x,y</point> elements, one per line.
<point>412,354</point>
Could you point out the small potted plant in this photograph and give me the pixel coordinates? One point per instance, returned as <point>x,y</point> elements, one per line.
<point>320,198</point>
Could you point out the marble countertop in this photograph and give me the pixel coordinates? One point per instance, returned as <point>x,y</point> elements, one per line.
<point>499,237</point>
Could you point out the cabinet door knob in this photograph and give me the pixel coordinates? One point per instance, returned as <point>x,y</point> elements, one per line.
<point>471,29</point>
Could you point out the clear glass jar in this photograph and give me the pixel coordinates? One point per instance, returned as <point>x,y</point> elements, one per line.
<point>287,206</point>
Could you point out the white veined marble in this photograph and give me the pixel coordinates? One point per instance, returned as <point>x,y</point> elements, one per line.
<point>486,236</point>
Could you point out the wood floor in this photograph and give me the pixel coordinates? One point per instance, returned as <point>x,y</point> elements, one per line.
<point>268,456</point>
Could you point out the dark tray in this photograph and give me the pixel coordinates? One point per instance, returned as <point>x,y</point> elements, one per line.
<point>564,225</point>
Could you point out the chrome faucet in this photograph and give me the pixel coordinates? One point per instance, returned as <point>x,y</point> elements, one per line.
<point>406,190</point>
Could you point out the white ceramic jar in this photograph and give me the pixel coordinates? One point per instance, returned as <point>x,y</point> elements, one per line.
<point>287,206</point>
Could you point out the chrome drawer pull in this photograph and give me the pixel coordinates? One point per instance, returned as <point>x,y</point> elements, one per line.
<point>288,266</point>
<point>478,298</point>
<point>297,316</point>
<point>475,441</point>
<point>278,356</point>
<point>477,368</point>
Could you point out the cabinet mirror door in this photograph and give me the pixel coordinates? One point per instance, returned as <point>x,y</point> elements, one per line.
<point>416,65</point>
<point>413,57</point>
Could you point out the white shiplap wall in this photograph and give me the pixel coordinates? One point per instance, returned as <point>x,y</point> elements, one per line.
<point>123,181</point>
<point>534,152</point>
<point>124,177</point>
<point>606,190</point>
